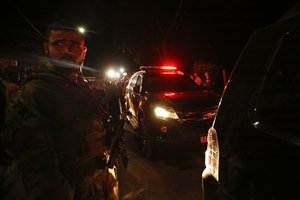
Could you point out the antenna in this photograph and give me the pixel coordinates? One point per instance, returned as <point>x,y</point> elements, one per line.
<point>28,21</point>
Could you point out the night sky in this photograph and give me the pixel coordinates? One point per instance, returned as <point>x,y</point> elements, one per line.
<point>143,32</point>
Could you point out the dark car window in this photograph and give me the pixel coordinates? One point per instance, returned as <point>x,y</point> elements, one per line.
<point>132,82</point>
<point>138,84</point>
<point>278,103</point>
<point>170,83</point>
<point>139,81</point>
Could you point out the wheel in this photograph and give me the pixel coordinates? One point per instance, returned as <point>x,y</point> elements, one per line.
<point>148,145</point>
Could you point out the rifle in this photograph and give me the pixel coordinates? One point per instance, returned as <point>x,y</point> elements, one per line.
<point>118,144</point>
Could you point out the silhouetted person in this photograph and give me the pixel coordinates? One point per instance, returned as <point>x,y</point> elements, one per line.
<point>11,80</point>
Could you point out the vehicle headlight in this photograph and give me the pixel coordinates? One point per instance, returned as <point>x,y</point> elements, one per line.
<point>165,112</point>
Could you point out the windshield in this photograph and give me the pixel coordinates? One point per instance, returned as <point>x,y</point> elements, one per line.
<point>277,106</point>
<point>172,82</point>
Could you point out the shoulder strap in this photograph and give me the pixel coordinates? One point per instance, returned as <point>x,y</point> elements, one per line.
<point>44,76</point>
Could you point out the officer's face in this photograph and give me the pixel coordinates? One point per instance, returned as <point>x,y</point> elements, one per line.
<point>66,46</point>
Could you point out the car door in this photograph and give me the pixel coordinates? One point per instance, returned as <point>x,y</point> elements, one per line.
<point>130,94</point>
<point>257,148</point>
<point>137,95</point>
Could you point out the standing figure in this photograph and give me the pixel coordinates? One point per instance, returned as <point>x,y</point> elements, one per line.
<point>11,80</point>
<point>197,79</point>
<point>29,72</point>
<point>56,130</point>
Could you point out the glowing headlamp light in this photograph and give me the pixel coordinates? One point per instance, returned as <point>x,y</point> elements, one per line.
<point>164,113</point>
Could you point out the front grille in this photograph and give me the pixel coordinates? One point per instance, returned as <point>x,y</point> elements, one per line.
<point>196,115</point>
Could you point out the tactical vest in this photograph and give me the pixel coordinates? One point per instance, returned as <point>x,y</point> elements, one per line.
<point>75,124</point>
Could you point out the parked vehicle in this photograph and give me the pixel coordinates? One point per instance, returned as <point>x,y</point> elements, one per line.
<point>166,106</point>
<point>253,146</point>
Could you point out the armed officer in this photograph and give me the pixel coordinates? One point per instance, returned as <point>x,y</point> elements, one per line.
<point>56,131</point>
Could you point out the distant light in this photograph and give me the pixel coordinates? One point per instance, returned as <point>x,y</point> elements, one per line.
<point>256,124</point>
<point>121,69</point>
<point>111,73</point>
<point>81,29</point>
<point>117,74</point>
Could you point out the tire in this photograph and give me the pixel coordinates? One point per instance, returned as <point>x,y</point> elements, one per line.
<point>147,144</point>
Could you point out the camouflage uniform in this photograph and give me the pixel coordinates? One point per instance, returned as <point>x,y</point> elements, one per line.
<point>3,99</point>
<point>57,135</point>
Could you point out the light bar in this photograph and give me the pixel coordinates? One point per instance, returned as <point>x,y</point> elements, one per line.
<point>169,67</point>
<point>158,67</point>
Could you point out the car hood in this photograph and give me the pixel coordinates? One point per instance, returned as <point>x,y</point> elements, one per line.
<point>187,100</point>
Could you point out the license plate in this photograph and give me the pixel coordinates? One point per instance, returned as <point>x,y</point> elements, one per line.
<point>203,139</point>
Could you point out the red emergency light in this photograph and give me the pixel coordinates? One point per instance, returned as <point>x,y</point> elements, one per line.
<point>167,94</point>
<point>169,67</point>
